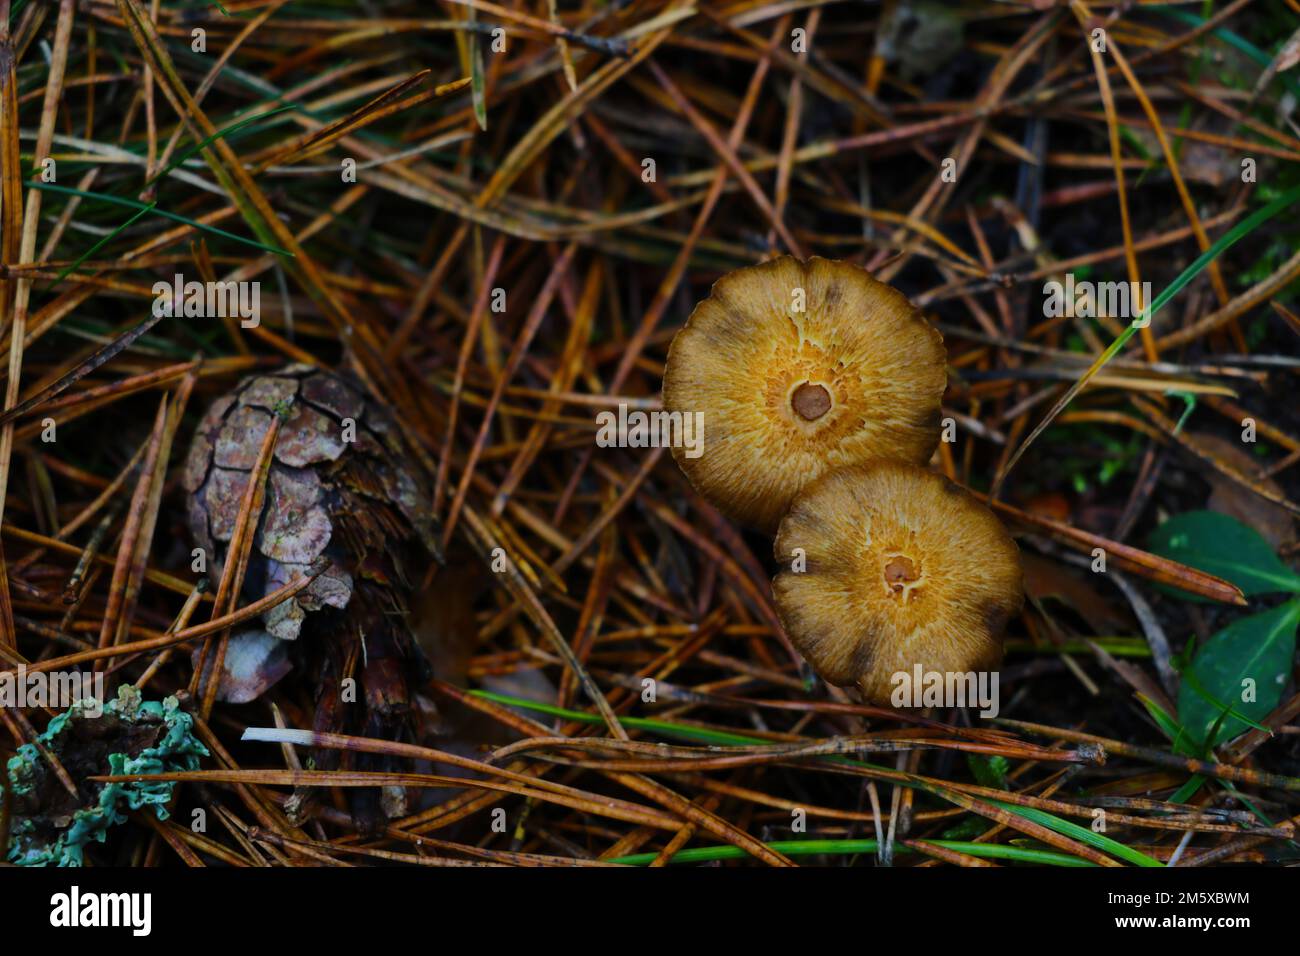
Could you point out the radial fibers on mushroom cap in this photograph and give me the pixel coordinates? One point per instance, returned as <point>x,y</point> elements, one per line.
<point>799,368</point>
<point>901,568</point>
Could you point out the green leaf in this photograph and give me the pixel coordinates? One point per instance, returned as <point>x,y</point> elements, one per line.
<point>1258,648</point>
<point>1220,545</point>
<point>989,771</point>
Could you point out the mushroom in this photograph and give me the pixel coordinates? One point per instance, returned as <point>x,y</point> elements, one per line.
<point>798,368</point>
<point>889,566</point>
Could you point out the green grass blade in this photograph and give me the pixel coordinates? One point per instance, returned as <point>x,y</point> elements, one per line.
<point>668,728</point>
<point>1098,841</point>
<point>796,848</point>
<point>224,133</point>
<point>1225,242</point>
<point>143,208</point>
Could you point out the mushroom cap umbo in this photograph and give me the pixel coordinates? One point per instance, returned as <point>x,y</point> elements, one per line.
<point>788,394</point>
<point>901,567</point>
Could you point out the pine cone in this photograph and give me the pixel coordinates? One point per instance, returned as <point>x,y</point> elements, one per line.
<point>342,488</point>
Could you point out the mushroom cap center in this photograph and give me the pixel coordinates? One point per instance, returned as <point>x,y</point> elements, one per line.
<point>811,401</point>
<point>902,575</point>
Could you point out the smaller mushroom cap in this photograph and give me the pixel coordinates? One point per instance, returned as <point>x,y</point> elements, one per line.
<point>798,368</point>
<point>901,568</point>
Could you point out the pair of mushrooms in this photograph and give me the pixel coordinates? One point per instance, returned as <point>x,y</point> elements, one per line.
<point>820,389</point>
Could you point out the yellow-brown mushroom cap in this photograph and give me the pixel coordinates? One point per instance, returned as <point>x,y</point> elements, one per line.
<point>798,368</point>
<point>901,567</point>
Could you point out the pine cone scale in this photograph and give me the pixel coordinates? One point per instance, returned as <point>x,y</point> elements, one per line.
<point>342,486</point>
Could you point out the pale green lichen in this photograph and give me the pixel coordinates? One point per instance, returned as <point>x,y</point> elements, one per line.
<point>41,838</point>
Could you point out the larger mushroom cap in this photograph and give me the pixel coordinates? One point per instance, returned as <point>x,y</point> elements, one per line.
<point>799,368</point>
<point>903,568</point>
